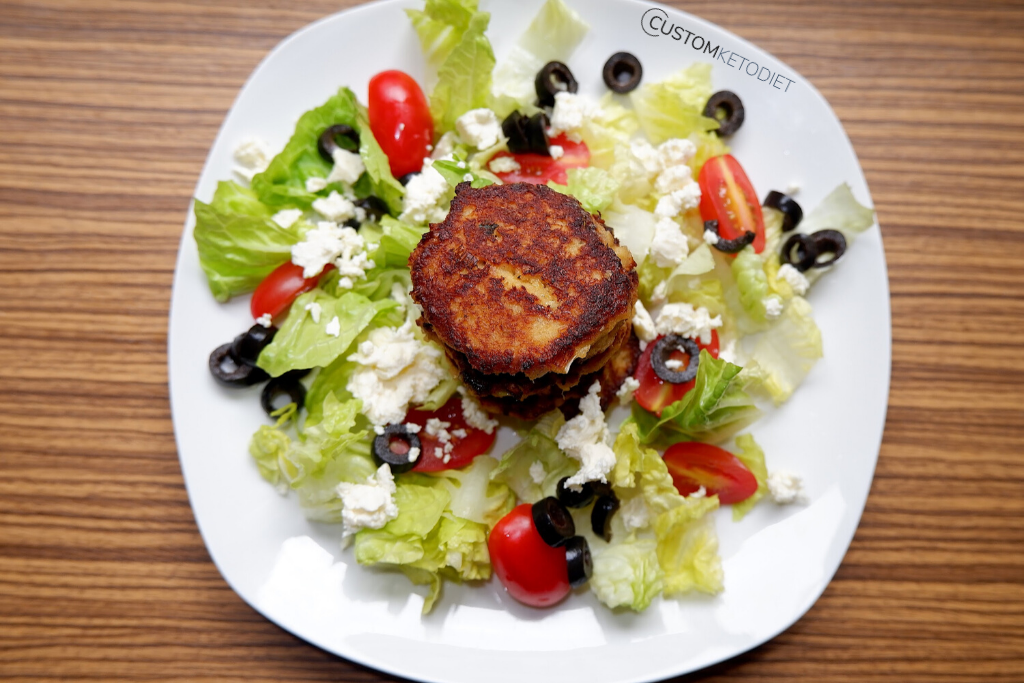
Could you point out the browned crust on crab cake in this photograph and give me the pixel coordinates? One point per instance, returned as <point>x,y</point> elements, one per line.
<point>519,278</point>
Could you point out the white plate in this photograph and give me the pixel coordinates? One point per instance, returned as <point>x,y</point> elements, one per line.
<point>777,561</point>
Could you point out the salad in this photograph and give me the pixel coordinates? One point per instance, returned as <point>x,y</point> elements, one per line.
<point>377,427</point>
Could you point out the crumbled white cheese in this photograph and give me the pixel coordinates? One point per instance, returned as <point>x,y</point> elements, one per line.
<point>635,514</point>
<point>699,493</point>
<point>684,319</point>
<point>537,472</point>
<point>333,328</point>
<point>556,151</point>
<point>286,218</point>
<point>792,188</point>
<point>397,369</point>
<point>475,416</point>
<point>571,111</point>
<point>627,389</point>
<point>265,320</point>
<point>645,153</point>
<point>479,128</point>
<point>378,430</point>
<point>438,428</point>
<point>423,195</point>
<point>679,201</point>
<point>468,178</point>
<point>772,307</point>
<point>711,237</point>
<point>329,243</point>
<point>315,310</point>
<point>445,146</point>
<point>786,487</point>
<point>673,178</point>
<point>460,433</point>
<point>673,364</point>
<point>335,208</point>
<point>797,280</point>
<point>729,354</point>
<point>584,438</point>
<point>254,156</point>
<point>675,152</point>
<point>413,428</point>
<point>643,324</point>
<point>503,165</point>
<point>370,505</point>
<point>315,184</point>
<point>414,454</point>
<point>659,296</point>
<point>669,246</point>
<point>348,166</point>
<point>461,164</point>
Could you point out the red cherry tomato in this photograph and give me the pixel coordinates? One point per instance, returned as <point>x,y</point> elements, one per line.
<point>476,441</point>
<point>400,120</point>
<point>532,572</point>
<point>537,169</point>
<point>694,464</point>
<point>655,394</point>
<point>727,196</point>
<point>279,289</point>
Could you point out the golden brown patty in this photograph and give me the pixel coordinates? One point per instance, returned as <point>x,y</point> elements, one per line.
<point>519,278</point>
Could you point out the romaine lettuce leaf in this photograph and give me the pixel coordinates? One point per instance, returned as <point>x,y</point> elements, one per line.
<point>839,211</point>
<point>593,187</point>
<point>610,125</point>
<point>455,174</point>
<point>473,495</point>
<point>464,79</point>
<point>786,352</point>
<point>537,445</point>
<point>627,574</point>
<point>238,243</point>
<point>708,145</point>
<point>637,466</point>
<point>688,547</point>
<point>382,184</point>
<point>634,228</point>
<point>673,108</point>
<point>440,25</point>
<point>752,456</point>
<point>752,283</point>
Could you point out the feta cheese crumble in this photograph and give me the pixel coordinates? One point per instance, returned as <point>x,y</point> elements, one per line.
<point>772,307</point>
<point>333,328</point>
<point>679,201</point>
<point>584,438</point>
<point>253,155</point>
<point>479,128</point>
<point>503,165</point>
<point>685,320</point>
<point>315,184</point>
<point>711,237</point>
<point>673,364</point>
<point>797,280</point>
<point>396,369</point>
<point>635,514</point>
<point>673,178</point>
<point>627,389</point>
<point>370,505</point>
<point>669,246</point>
<point>286,218</point>
<point>792,188</point>
<point>643,324</point>
<point>314,310</point>
<point>348,166</point>
<point>335,208</point>
<point>475,416</point>
<point>571,111</point>
<point>265,320</point>
<point>328,243</point>
<point>556,151</point>
<point>423,195</point>
<point>786,488</point>
<point>699,493</point>
<point>675,152</point>
<point>537,472</point>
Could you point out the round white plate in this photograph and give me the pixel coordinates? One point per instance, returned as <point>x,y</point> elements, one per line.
<point>777,561</point>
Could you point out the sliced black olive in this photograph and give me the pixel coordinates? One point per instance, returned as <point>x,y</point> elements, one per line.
<point>602,489</point>
<point>329,141</point>
<point>231,372</point>
<point>726,108</point>
<point>514,128</point>
<point>622,72</point>
<point>601,516</point>
<point>407,177</point>
<point>395,447</point>
<point>792,214</point>
<point>575,499</point>
<point>729,246</point>
<point>800,251</point>
<point>662,352</point>
<point>580,564</point>
<point>553,521</point>
<point>553,78</point>
<point>374,207</point>
<point>537,134</point>
<point>287,385</point>
<point>828,242</point>
<point>247,346</point>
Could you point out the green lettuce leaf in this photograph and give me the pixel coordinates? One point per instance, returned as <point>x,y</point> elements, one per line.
<point>637,466</point>
<point>688,547</point>
<point>474,496</point>
<point>752,283</point>
<point>786,352</point>
<point>610,125</point>
<point>752,456</point>
<point>839,211</point>
<point>238,243</point>
<point>455,174</point>
<point>593,187</point>
<point>634,228</point>
<point>464,79</point>
<point>440,25</point>
<point>708,145</point>
<point>537,445</point>
<point>627,574</point>
<point>378,168</point>
<point>673,108</point>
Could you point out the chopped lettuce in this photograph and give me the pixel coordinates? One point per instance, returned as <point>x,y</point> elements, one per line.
<point>688,547</point>
<point>610,125</point>
<point>474,496</point>
<point>839,211</point>
<point>752,456</point>
<point>440,26</point>
<point>536,446</point>
<point>382,184</point>
<point>455,174</point>
<point>708,145</point>
<point>627,574</point>
<point>238,243</point>
<point>464,79</point>
<point>673,108</point>
<point>633,227</point>
<point>786,352</point>
<point>593,187</point>
<point>638,466</point>
<point>752,283</point>
<point>396,243</point>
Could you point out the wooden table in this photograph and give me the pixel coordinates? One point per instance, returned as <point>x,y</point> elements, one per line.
<point>107,110</point>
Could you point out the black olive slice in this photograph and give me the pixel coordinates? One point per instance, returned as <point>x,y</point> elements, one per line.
<point>792,214</point>
<point>328,142</point>
<point>553,78</point>
<point>828,242</point>
<point>514,128</point>
<point>622,72</point>
<point>729,246</point>
<point>374,207</point>
<point>553,521</point>
<point>395,447</point>
<point>247,346</point>
<point>537,134</point>
<point>800,251</point>
<point>231,372</point>
<point>287,385</point>
<point>575,499</point>
<point>662,352</point>
<point>580,564</point>
<point>726,108</point>
<point>601,516</point>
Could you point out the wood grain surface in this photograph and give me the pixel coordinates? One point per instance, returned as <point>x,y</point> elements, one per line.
<point>107,110</point>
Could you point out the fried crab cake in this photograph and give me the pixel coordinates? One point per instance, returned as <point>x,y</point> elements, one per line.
<point>519,278</point>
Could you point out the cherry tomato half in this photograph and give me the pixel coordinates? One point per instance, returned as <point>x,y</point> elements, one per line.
<point>476,441</point>
<point>532,572</point>
<point>655,394</point>
<point>727,196</point>
<point>279,289</point>
<point>537,169</point>
<point>693,464</point>
<point>400,120</point>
